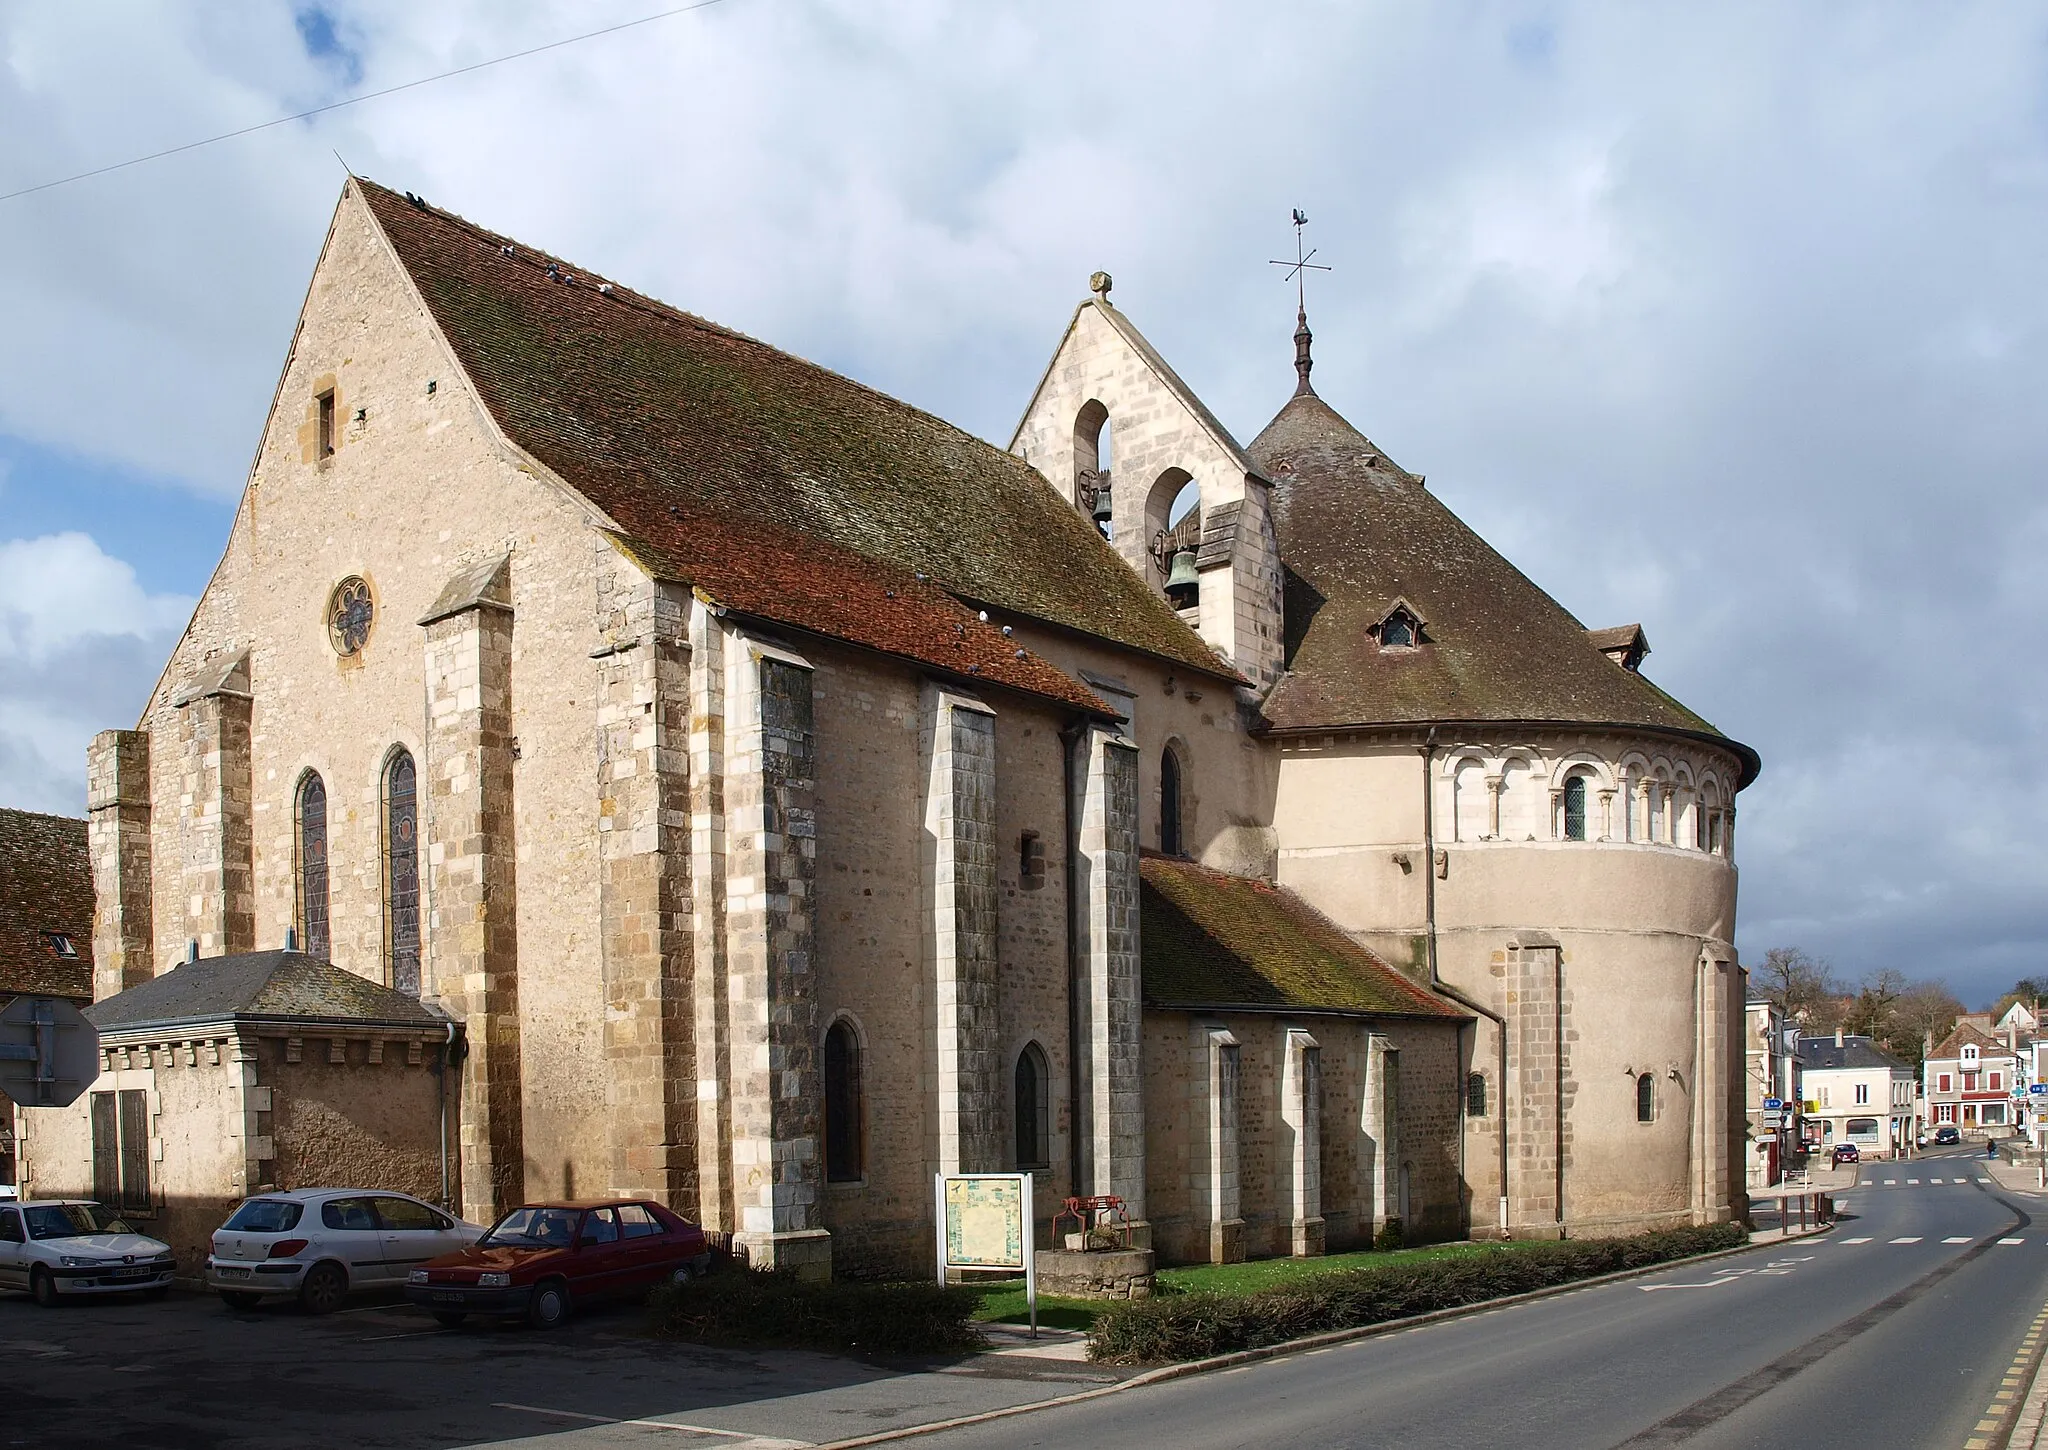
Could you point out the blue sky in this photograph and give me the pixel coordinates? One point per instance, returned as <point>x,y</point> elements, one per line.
<point>1732,320</point>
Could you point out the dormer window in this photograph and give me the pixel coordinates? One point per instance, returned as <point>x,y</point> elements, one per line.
<point>1400,629</point>
<point>1970,1053</point>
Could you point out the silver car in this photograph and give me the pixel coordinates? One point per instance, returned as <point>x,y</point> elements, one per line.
<point>59,1247</point>
<point>318,1245</point>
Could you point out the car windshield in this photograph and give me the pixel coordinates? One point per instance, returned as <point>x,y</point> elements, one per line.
<point>553,1228</point>
<point>68,1220</point>
<point>265,1216</point>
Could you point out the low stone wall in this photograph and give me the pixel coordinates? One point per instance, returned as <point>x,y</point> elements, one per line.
<point>1096,1273</point>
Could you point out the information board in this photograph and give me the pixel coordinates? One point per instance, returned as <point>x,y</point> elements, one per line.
<point>984,1224</point>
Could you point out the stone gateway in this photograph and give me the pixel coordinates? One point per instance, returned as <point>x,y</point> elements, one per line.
<point>615,756</point>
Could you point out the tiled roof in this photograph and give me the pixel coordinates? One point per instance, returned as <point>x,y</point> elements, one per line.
<point>774,487</point>
<point>1966,1033</point>
<point>45,888</point>
<point>1357,532</point>
<point>273,985</point>
<point>1820,1054</point>
<point>1214,940</point>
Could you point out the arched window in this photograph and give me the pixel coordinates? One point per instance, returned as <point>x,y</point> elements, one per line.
<point>844,1138</point>
<point>1646,1098</point>
<point>1170,803</point>
<point>402,874</point>
<point>312,843</point>
<point>1473,808</point>
<point>1475,1095</point>
<point>1575,808</point>
<point>1033,1106</point>
<point>1093,440</point>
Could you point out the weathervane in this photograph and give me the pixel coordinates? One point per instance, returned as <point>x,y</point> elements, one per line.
<point>1301,264</point>
<point>1298,270</point>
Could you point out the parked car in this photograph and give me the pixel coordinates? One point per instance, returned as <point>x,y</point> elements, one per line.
<point>320,1244</point>
<point>1845,1153</point>
<point>540,1260</point>
<point>55,1248</point>
<point>1947,1136</point>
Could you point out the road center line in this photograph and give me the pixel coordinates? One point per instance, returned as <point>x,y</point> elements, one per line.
<point>1688,1422</point>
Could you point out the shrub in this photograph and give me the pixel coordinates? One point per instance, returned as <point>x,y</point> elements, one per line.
<point>760,1308</point>
<point>1389,1236</point>
<point>1198,1325</point>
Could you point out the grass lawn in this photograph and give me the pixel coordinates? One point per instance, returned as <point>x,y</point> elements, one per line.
<point>1002,1300</point>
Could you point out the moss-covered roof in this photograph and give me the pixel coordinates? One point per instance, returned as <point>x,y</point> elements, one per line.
<point>775,487</point>
<point>1358,533</point>
<point>262,986</point>
<point>1214,940</point>
<point>46,901</point>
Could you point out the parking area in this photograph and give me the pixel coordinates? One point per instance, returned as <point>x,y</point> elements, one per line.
<point>188,1372</point>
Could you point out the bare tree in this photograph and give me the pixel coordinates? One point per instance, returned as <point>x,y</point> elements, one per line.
<point>1805,988</point>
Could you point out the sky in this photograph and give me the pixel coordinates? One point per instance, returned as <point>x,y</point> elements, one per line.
<point>1725,319</point>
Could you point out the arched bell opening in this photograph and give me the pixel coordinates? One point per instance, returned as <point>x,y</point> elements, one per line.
<point>1173,523</point>
<point>1094,446</point>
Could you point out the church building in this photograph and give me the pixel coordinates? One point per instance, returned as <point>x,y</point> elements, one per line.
<point>613,755</point>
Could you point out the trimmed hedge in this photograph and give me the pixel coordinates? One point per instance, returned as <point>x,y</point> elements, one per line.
<point>1196,1326</point>
<point>760,1308</point>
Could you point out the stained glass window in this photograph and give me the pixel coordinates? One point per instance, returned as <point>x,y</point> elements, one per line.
<point>350,611</point>
<point>402,872</point>
<point>313,867</point>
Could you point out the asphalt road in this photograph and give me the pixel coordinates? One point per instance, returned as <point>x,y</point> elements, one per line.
<point>1844,1340</point>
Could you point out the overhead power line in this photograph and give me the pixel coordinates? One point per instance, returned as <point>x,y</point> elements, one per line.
<point>358,100</point>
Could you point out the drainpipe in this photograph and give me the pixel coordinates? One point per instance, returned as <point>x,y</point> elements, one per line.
<point>1070,742</point>
<point>1437,984</point>
<point>441,1071</point>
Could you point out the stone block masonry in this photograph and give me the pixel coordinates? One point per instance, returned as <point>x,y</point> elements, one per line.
<point>771,1006</point>
<point>473,940</point>
<point>642,693</point>
<point>118,804</point>
<point>216,798</point>
<point>1112,1113</point>
<point>957,740</point>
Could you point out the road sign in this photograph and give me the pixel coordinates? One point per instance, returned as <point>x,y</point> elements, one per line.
<point>49,1053</point>
<point>2037,1088</point>
<point>1771,1105</point>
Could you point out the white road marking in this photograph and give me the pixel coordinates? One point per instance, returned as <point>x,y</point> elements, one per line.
<point>1911,1239</point>
<point>1855,1241</point>
<point>1963,1239</point>
<point>741,1439</point>
<point>1889,1182</point>
<point>2009,1242</point>
<point>1916,1181</point>
<point>1959,1180</point>
<point>1983,1180</point>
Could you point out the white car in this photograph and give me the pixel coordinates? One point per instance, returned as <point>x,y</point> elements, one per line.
<point>58,1247</point>
<point>319,1244</point>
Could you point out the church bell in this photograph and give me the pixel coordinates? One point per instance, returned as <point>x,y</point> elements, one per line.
<point>1183,588</point>
<point>1101,510</point>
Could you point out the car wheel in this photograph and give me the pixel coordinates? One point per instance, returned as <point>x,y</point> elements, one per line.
<point>681,1274</point>
<point>549,1307</point>
<point>44,1286</point>
<point>450,1318</point>
<point>325,1287</point>
<point>240,1300</point>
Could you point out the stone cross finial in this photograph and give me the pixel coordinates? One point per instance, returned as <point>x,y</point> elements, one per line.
<point>1099,285</point>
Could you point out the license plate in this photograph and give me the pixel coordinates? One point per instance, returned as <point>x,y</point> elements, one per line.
<point>232,1273</point>
<point>136,1273</point>
<point>445,1296</point>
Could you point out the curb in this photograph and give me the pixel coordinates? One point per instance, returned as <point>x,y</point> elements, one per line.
<point>1297,1346</point>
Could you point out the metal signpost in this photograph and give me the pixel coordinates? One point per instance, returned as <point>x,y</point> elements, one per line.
<point>984,1224</point>
<point>49,1053</point>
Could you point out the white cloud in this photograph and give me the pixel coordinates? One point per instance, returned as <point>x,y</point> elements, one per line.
<point>1731,319</point>
<point>80,644</point>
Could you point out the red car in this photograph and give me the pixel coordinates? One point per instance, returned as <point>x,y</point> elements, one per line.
<point>538,1261</point>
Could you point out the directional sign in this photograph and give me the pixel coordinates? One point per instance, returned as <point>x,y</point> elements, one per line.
<point>2038,1087</point>
<point>1771,1105</point>
<point>49,1053</point>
